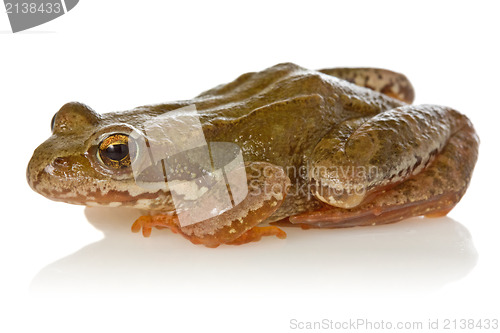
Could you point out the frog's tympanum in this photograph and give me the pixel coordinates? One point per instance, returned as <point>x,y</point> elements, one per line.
<point>330,148</point>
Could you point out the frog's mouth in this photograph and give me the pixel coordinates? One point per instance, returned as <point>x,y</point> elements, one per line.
<point>73,180</point>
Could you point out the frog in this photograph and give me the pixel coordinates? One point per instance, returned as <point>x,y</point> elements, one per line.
<point>330,148</point>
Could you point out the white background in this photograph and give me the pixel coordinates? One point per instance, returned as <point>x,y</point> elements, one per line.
<point>67,268</point>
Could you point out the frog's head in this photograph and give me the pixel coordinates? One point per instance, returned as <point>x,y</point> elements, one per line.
<point>87,161</point>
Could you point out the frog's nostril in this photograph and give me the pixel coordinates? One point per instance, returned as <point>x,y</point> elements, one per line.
<point>60,162</point>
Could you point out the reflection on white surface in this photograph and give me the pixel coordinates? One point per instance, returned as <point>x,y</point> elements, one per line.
<point>414,255</point>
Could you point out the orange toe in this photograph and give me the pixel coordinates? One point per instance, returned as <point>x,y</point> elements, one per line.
<point>256,233</point>
<point>147,223</point>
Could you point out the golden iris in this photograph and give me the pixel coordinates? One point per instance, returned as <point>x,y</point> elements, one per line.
<point>113,151</point>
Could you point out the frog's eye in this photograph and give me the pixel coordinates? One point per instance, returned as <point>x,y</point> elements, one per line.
<point>52,123</point>
<point>114,152</point>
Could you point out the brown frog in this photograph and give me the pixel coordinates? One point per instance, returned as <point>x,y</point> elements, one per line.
<point>330,148</point>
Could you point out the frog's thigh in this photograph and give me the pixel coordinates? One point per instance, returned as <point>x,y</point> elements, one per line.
<point>390,83</point>
<point>267,186</point>
<point>429,166</point>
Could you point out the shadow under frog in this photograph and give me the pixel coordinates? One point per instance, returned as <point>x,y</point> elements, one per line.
<point>414,255</point>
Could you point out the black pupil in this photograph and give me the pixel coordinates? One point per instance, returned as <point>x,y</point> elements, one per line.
<point>117,152</point>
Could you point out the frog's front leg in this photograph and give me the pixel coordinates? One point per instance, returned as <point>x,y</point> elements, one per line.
<point>267,185</point>
<point>410,161</point>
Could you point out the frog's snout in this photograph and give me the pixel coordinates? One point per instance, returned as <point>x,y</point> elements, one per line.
<point>34,172</point>
<point>38,172</point>
<point>56,177</point>
<point>58,165</point>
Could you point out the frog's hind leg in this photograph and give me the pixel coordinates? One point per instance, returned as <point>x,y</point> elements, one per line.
<point>387,82</point>
<point>428,152</point>
<point>267,185</point>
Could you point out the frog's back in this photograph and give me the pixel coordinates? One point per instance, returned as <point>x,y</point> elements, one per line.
<point>279,114</point>
<point>284,82</point>
<point>275,115</point>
